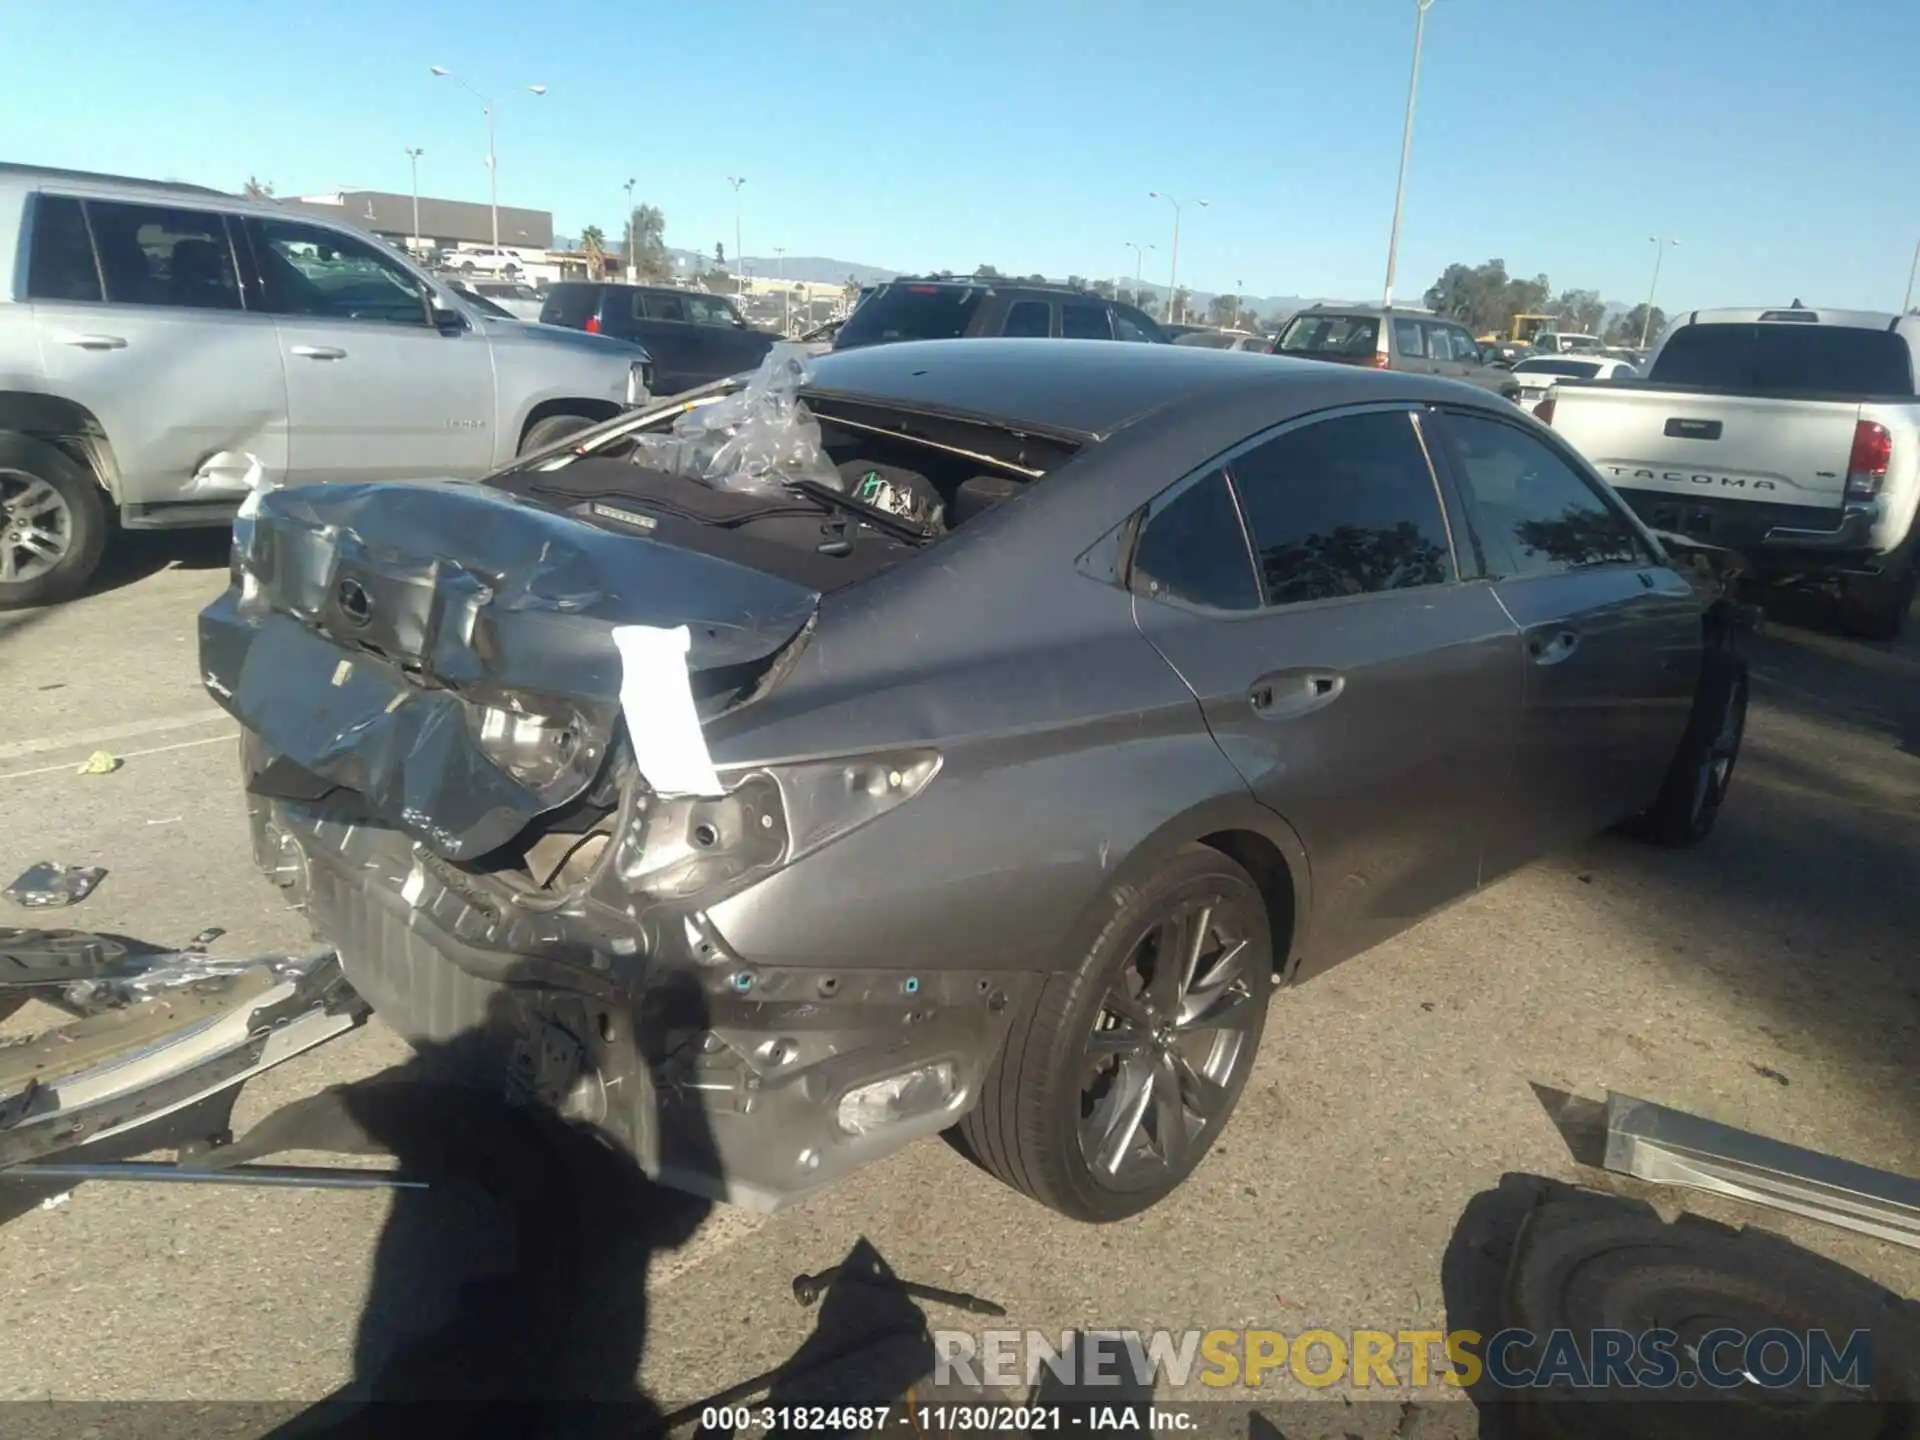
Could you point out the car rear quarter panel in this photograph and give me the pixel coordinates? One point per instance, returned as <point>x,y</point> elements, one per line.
<point>1073,755</point>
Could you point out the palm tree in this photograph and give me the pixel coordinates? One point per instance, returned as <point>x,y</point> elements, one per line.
<point>593,240</point>
<point>257,189</point>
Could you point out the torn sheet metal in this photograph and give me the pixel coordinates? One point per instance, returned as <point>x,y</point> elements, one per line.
<point>228,474</point>
<point>1670,1147</point>
<point>757,438</point>
<point>445,650</point>
<point>656,701</point>
<point>49,885</point>
<point>112,1072</point>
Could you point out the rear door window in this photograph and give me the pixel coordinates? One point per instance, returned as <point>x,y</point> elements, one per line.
<point>1084,322</point>
<point>649,306</point>
<point>312,270</point>
<point>706,310</point>
<point>1788,359</point>
<point>912,312</point>
<point>1346,506</point>
<point>61,265</point>
<point>1343,335</point>
<point>1127,327</point>
<point>158,255</point>
<point>1409,340</point>
<point>1194,550</point>
<point>1029,318</point>
<point>569,305</point>
<point>1535,512</point>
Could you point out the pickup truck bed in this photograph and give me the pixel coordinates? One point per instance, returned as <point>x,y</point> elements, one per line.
<point>1793,441</point>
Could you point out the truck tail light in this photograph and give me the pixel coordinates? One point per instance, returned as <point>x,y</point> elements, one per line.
<point>1543,412</point>
<point>1867,465</point>
<point>593,324</point>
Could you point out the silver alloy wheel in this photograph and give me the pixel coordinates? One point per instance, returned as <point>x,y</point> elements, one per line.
<point>1166,1043</point>
<point>36,527</point>
<point>1715,771</point>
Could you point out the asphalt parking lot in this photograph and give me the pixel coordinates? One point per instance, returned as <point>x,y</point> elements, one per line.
<point>1769,979</point>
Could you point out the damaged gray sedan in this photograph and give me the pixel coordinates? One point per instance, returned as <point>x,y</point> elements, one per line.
<point>973,736</point>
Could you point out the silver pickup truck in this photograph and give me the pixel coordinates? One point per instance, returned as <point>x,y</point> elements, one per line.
<point>158,340</point>
<point>1789,435</point>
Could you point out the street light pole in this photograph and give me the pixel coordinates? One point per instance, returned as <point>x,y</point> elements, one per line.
<point>1173,270</point>
<point>1239,287</point>
<point>413,160</point>
<point>493,163</point>
<point>633,265</point>
<point>786,312</point>
<point>1139,259</point>
<point>1913,270</point>
<point>1406,149</point>
<point>739,259</point>
<point>1659,249</point>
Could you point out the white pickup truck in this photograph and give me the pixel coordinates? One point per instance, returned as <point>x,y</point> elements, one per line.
<point>1791,436</point>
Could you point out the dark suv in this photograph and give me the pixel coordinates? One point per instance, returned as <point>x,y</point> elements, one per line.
<point>939,309</point>
<point>693,337</point>
<point>1416,340</point>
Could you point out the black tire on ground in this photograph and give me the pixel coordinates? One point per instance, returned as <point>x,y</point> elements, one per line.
<point>1874,607</point>
<point>1026,1130</point>
<point>551,431</point>
<point>466,267</point>
<point>1702,768</point>
<point>24,460</point>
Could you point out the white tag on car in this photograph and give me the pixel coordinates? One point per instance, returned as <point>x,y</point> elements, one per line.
<point>656,696</point>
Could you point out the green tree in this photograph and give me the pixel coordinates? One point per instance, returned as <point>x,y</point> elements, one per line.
<point>593,241</point>
<point>1485,298</point>
<point>1177,307</point>
<point>1580,311</point>
<point>719,256</point>
<point>257,189</point>
<point>1076,282</point>
<point>650,258</point>
<point>1627,329</point>
<point>1223,311</point>
<point>1104,289</point>
<point>986,272</point>
<point>1036,278</point>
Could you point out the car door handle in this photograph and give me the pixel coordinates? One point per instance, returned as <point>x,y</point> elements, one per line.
<point>94,342</point>
<point>318,352</point>
<point>1289,694</point>
<point>1551,649</point>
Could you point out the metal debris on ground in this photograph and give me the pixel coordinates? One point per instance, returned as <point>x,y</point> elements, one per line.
<point>198,944</point>
<point>101,762</point>
<point>47,885</point>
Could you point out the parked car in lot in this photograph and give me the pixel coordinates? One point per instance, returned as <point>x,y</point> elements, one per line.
<point>1411,340</point>
<point>153,336</point>
<point>694,337</point>
<point>1791,435</point>
<point>1567,342</point>
<point>485,260</point>
<point>769,832</point>
<point>1539,374</point>
<point>1226,340</point>
<point>935,309</point>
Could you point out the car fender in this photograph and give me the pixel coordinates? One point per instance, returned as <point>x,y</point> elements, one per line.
<point>536,366</point>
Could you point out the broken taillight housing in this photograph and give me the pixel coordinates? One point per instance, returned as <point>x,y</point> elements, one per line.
<point>1867,465</point>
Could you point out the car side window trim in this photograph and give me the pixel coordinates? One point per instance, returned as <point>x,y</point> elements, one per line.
<point>1135,530</point>
<point>1454,513</point>
<point>30,232</point>
<point>1650,554</point>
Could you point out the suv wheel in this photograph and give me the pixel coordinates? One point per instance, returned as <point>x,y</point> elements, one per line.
<point>53,523</point>
<point>1112,1088</point>
<point>551,431</point>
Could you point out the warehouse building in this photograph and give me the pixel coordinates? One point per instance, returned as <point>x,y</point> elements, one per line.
<point>442,224</point>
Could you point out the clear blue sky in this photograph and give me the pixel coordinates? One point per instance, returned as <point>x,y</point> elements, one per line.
<point>1775,138</point>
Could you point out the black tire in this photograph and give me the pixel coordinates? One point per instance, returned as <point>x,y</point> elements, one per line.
<point>1027,1128</point>
<point>1875,607</point>
<point>25,461</point>
<point>551,431</point>
<point>1702,769</point>
<point>466,267</point>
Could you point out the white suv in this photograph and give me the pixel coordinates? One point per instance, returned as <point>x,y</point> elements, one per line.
<point>155,339</point>
<point>486,260</point>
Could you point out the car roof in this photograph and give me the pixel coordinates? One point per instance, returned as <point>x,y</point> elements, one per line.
<point>89,181</point>
<point>1412,312</point>
<point>1088,389</point>
<point>1857,319</point>
<point>999,282</point>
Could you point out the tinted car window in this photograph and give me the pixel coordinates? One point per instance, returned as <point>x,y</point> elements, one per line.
<point>1408,340</point>
<point>649,306</point>
<point>911,312</point>
<point>1787,358</point>
<point>569,305</point>
<point>1344,507</point>
<point>1085,322</point>
<point>705,310</point>
<point>1134,326</point>
<point>311,270</point>
<point>1206,340</point>
<point>156,255</point>
<point>1193,550</point>
<point>1355,335</point>
<point>1538,515</point>
<point>62,265</point>
<point>1028,318</point>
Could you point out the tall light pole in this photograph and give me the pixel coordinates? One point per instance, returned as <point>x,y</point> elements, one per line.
<point>786,313</point>
<point>1173,270</point>
<point>413,160</point>
<point>1139,259</point>
<point>493,163</point>
<point>1660,247</point>
<point>739,259</point>
<point>1239,288</point>
<point>1912,271</point>
<point>633,266</point>
<point>1406,148</point>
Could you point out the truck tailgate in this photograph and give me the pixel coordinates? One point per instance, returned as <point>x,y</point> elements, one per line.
<point>1787,452</point>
